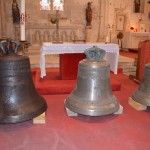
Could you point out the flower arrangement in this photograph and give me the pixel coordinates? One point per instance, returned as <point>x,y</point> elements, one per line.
<point>54,20</point>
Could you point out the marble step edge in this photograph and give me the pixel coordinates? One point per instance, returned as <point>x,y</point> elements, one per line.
<point>130,73</point>
<point>127,71</point>
<point>126,63</point>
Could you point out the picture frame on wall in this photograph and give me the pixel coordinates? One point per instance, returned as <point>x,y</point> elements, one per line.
<point>120,22</point>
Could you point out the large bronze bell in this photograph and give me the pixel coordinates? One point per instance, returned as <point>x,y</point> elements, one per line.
<point>142,94</point>
<point>19,100</point>
<point>92,94</point>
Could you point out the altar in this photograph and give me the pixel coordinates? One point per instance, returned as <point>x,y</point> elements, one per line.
<point>112,53</point>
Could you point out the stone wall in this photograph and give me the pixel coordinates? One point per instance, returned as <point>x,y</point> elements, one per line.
<point>73,24</point>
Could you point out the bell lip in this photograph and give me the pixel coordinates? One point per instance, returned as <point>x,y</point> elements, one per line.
<point>140,99</point>
<point>24,117</point>
<point>93,112</point>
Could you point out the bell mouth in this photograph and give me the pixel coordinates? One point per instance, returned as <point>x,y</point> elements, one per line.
<point>24,117</point>
<point>141,97</point>
<point>142,93</point>
<point>92,110</point>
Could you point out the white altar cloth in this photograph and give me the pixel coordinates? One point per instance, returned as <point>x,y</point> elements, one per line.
<point>112,52</point>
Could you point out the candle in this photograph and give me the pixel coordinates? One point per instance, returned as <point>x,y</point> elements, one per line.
<point>22,20</point>
<point>107,39</point>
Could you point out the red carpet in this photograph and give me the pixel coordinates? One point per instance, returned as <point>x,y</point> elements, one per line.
<point>128,131</point>
<point>52,84</point>
<point>129,54</point>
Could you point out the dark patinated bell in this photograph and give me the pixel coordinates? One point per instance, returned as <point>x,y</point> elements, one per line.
<point>142,94</point>
<point>19,100</point>
<point>92,94</point>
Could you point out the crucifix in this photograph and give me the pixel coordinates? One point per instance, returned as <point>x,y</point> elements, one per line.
<point>57,27</point>
<point>56,20</point>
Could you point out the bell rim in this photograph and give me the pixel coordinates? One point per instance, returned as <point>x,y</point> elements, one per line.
<point>92,112</point>
<point>24,117</point>
<point>138,96</point>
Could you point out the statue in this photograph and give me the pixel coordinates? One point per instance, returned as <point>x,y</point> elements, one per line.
<point>88,14</point>
<point>137,6</point>
<point>15,12</point>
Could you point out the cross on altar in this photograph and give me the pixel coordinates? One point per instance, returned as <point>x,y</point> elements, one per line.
<point>57,26</point>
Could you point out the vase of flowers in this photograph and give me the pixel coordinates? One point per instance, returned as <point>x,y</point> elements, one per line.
<point>54,20</point>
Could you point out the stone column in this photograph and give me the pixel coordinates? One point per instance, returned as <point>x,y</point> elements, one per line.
<point>99,21</point>
<point>3,18</point>
<point>103,20</point>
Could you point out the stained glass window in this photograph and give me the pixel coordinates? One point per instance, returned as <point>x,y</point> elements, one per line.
<point>45,4</point>
<point>138,6</point>
<point>58,5</point>
<point>54,4</point>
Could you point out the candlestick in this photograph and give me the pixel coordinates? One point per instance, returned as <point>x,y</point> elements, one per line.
<point>22,20</point>
<point>107,39</point>
<point>110,29</point>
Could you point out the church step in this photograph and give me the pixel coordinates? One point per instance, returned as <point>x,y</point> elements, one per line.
<point>124,64</point>
<point>129,69</point>
<point>125,61</point>
<point>130,73</point>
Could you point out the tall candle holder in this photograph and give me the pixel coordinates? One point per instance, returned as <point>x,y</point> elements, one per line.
<point>110,28</point>
<point>57,6</point>
<point>22,20</point>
